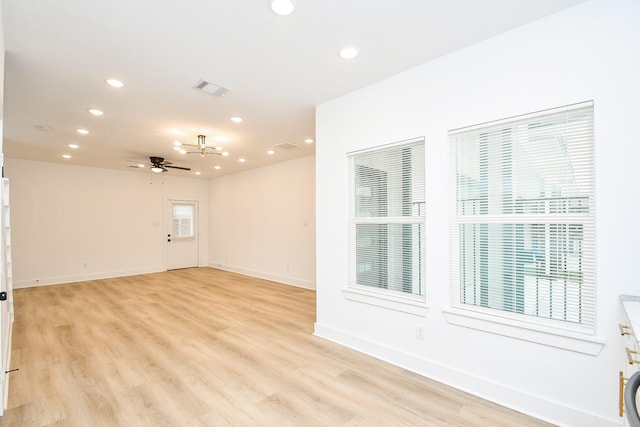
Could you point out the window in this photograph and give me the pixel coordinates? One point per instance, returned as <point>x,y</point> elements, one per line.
<point>387,218</point>
<point>183,220</point>
<point>522,228</point>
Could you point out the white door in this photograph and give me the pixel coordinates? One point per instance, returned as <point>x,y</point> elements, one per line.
<point>182,234</point>
<point>6,292</point>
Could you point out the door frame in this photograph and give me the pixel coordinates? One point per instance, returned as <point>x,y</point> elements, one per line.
<point>168,227</point>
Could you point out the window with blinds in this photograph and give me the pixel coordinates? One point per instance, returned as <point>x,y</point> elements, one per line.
<point>387,217</point>
<point>183,221</point>
<point>522,229</point>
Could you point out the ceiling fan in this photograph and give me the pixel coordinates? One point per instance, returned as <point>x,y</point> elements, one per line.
<point>203,147</point>
<point>159,165</point>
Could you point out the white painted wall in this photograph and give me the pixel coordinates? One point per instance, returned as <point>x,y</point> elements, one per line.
<point>262,222</point>
<point>72,223</point>
<point>589,52</point>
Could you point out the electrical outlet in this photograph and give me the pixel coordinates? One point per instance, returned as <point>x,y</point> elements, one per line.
<point>419,333</point>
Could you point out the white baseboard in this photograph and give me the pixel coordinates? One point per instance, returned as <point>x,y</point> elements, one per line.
<point>266,276</point>
<point>519,400</point>
<point>18,284</point>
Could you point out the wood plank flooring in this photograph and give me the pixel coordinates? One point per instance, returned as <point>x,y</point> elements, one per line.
<point>203,347</point>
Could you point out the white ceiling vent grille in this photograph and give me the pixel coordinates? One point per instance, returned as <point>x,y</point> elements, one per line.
<point>210,88</point>
<point>287,145</point>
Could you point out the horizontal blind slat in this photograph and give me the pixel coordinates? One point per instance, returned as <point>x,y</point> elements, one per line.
<point>522,229</point>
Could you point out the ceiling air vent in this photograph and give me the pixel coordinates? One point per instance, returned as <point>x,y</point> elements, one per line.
<point>287,145</point>
<point>210,88</point>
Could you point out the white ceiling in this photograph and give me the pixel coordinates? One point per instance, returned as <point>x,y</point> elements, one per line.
<point>277,69</point>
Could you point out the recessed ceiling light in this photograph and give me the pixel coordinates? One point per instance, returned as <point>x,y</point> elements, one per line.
<point>82,131</point>
<point>218,148</point>
<point>96,112</point>
<point>241,160</point>
<point>183,151</point>
<point>66,156</point>
<point>270,152</point>
<point>216,167</point>
<point>74,146</point>
<point>309,141</point>
<point>197,173</point>
<point>348,52</point>
<point>225,153</point>
<point>236,119</point>
<point>282,7</point>
<point>115,83</point>
<point>177,143</point>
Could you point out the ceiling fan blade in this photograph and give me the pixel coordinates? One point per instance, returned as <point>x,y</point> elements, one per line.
<point>177,167</point>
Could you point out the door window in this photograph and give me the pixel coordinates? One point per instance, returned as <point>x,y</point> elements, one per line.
<point>183,221</point>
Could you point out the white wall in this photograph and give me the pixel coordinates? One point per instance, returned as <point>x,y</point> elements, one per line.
<point>262,222</point>
<point>72,223</point>
<point>589,52</point>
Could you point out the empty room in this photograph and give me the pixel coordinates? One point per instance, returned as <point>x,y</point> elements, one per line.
<point>319,213</point>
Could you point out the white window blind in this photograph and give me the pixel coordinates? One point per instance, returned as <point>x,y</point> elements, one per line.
<point>522,229</point>
<point>183,220</point>
<point>387,217</point>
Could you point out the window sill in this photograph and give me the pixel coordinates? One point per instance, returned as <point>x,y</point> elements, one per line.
<point>416,307</point>
<point>566,340</point>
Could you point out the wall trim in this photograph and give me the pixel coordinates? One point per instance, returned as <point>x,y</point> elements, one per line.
<point>266,276</point>
<point>32,283</point>
<point>535,406</point>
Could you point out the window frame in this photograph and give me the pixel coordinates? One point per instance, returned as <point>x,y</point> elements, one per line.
<point>384,297</point>
<point>194,209</point>
<point>576,336</point>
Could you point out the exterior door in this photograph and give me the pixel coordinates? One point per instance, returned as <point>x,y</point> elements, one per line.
<point>182,234</point>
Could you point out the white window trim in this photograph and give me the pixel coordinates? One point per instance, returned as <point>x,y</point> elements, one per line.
<point>193,219</point>
<point>396,301</point>
<point>531,332</point>
<point>538,330</point>
<point>385,298</point>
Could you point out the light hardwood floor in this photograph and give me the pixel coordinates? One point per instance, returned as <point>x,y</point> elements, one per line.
<point>203,347</point>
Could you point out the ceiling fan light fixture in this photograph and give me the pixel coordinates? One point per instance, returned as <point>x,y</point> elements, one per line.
<point>201,142</point>
<point>282,7</point>
<point>156,169</point>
